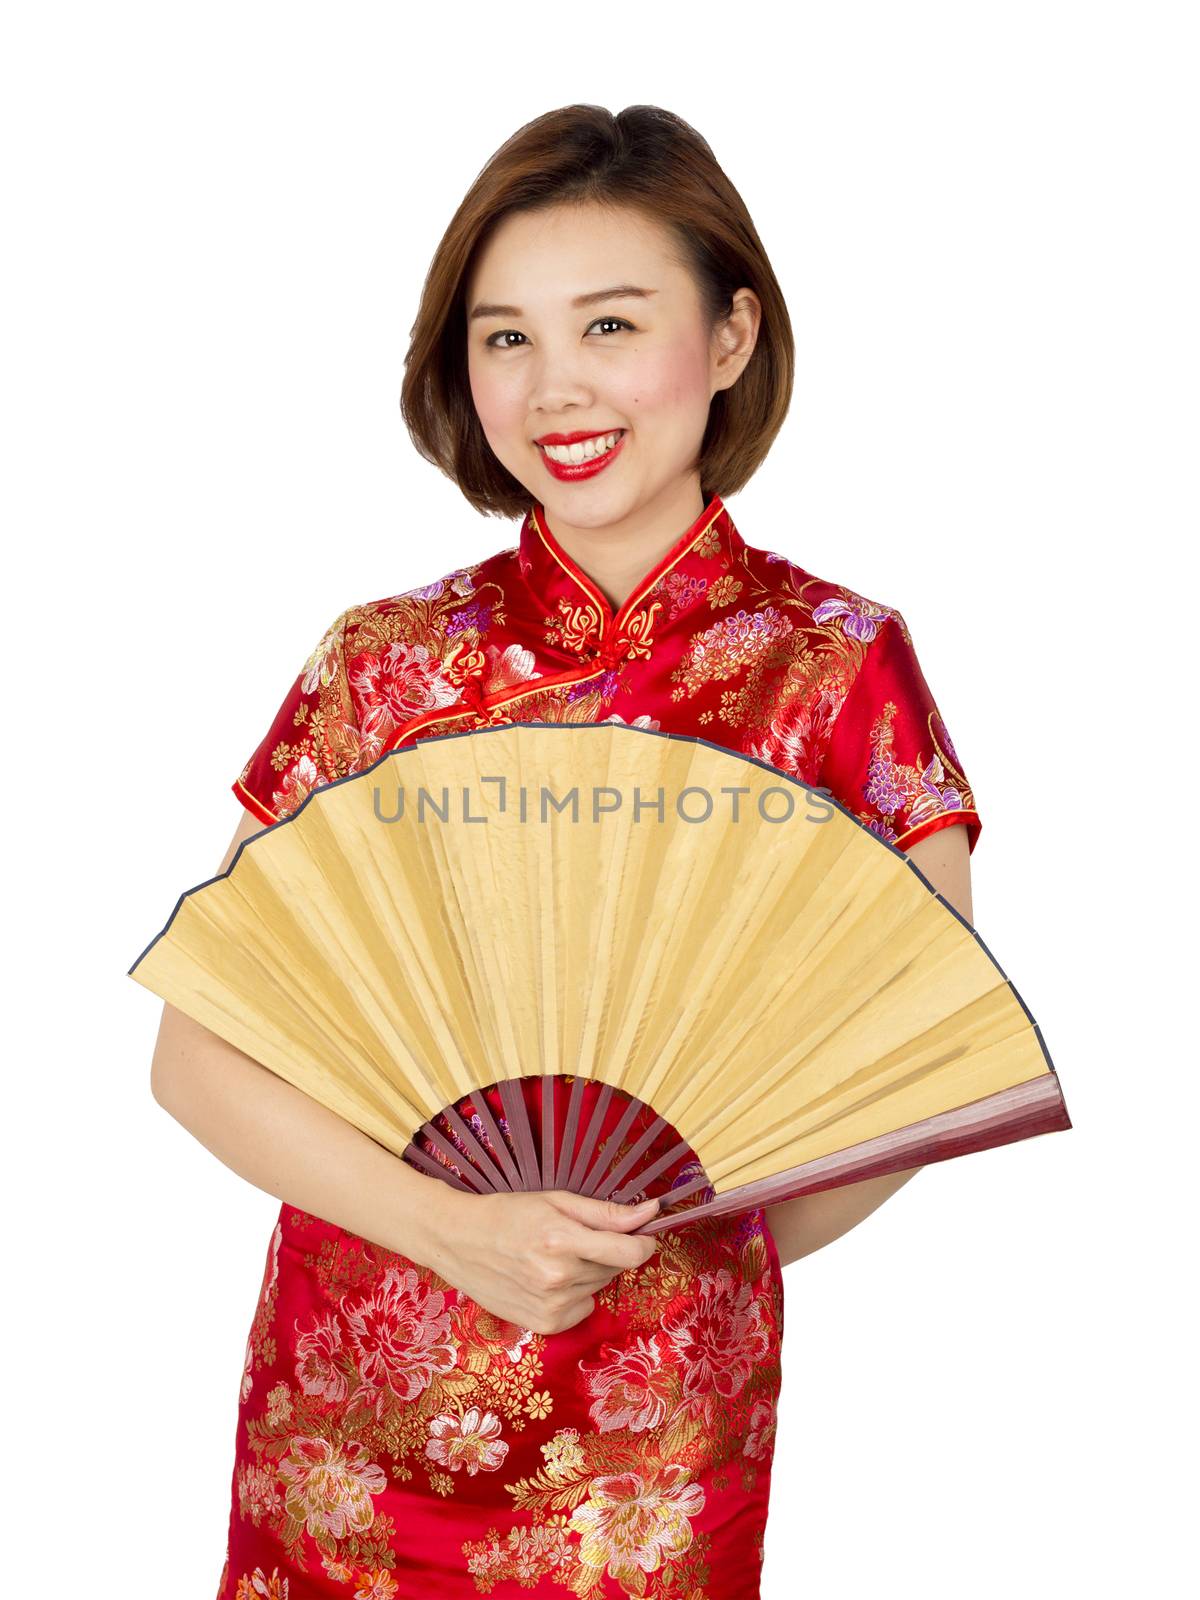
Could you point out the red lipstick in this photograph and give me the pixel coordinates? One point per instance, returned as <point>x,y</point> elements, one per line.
<point>573,438</point>
<point>571,472</point>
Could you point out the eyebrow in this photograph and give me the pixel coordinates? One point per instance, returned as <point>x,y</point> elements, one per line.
<point>622,291</point>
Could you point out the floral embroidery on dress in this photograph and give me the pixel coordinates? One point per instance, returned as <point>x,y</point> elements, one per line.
<point>695,1396</point>
<point>683,592</point>
<point>257,1586</point>
<point>894,787</point>
<point>637,722</point>
<point>260,1347</point>
<point>888,757</point>
<point>860,618</point>
<point>388,1369</point>
<point>393,1369</point>
<point>727,646</point>
<point>472,1441</point>
<point>633,1524</point>
<point>798,733</point>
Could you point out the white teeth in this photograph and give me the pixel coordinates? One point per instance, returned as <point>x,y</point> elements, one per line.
<point>585,450</point>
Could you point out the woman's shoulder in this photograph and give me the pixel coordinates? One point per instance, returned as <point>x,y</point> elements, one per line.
<point>444,604</point>
<point>826,601</point>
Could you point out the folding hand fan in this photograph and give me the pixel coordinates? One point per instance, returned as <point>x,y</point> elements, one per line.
<point>683,931</point>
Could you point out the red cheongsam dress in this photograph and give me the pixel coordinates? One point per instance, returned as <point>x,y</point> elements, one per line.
<point>394,1438</point>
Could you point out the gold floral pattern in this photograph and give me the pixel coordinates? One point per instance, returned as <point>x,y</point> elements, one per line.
<point>379,1371</point>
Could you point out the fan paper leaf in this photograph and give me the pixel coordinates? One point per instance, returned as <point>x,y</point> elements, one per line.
<point>606,958</point>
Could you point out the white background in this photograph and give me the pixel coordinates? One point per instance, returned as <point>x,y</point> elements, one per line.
<point>218,220</point>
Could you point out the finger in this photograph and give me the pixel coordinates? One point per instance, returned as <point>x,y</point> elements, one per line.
<point>608,1216</point>
<point>581,1309</point>
<point>592,1277</point>
<point>614,1251</point>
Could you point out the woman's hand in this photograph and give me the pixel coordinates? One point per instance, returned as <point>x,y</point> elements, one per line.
<point>536,1259</point>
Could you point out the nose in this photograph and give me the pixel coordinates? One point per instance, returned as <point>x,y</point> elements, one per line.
<point>557,384</point>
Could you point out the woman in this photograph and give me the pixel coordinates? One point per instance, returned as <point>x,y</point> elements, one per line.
<point>452,1394</point>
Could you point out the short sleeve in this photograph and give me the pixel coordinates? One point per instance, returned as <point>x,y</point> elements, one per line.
<point>890,760</point>
<point>312,739</point>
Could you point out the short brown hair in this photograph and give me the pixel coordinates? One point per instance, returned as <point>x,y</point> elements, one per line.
<point>643,157</point>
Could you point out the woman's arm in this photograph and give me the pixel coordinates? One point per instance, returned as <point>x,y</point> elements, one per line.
<point>536,1260</point>
<point>285,1142</point>
<point>803,1225</point>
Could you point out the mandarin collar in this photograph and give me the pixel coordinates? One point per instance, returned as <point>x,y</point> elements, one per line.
<point>587,626</point>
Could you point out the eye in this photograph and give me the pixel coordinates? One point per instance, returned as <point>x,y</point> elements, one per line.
<point>503,333</point>
<point>620,322</point>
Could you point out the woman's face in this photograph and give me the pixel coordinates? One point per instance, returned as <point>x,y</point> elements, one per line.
<point>540,363</point>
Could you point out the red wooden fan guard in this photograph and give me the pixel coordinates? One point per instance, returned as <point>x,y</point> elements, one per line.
<point>472,1148</point>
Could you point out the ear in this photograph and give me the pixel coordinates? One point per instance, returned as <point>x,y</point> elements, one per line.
<point>734,339</point>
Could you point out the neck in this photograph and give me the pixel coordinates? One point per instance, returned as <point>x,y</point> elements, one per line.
<point>617,555</point>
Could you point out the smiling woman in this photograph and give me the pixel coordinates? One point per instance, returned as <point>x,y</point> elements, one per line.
<point>456,1394</point>
<point>557,374</point>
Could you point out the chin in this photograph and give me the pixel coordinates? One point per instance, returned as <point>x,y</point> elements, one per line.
<point>595,510</point>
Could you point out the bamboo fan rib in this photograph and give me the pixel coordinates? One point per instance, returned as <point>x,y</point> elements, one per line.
<point>620,922</point>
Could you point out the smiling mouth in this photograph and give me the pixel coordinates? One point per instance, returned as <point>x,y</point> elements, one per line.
<point>570,455</point>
